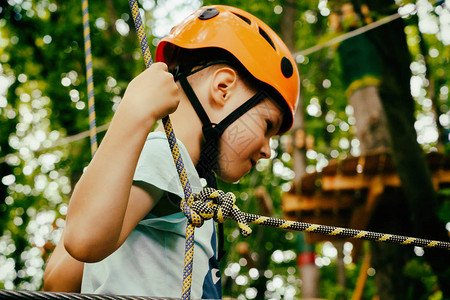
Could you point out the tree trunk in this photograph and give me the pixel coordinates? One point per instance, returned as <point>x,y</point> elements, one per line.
<point>407,153</point>
<point>371,124</point>
<point>394,91</point>
<point>287,24</point>
<point>362,73</point>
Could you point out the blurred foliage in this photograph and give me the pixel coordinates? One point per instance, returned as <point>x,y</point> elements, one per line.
<point>43,99</point>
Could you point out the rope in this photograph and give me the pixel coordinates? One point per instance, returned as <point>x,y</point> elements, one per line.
<point>92,132</point>
<point>89,77</point>
<point>215,204</point>
<point>211,203</point>
<point>359,31</point>
<point>348,35</point>
<point>63,141</point>
<point>11,294</point>
<point>189,248</point>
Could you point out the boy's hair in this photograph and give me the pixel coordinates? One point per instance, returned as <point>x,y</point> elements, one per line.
<point>186,61</point>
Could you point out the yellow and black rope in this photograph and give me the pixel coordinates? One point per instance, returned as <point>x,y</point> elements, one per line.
<point>215,204</point>
<point>89,77</point>
<point>344,232</point>
<point>189,248</point>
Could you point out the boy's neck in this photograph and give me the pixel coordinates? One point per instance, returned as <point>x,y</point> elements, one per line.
<point>187,127</point>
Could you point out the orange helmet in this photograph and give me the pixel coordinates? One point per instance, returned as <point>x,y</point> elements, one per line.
<point>254,44</point>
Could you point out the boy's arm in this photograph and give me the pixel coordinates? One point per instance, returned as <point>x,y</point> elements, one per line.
<point>104,207</point>
<point>64,273</point>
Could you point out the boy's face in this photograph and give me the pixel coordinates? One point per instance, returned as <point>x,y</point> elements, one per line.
<point>247,140</point>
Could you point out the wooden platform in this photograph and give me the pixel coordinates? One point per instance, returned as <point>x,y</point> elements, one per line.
<point>346,192</point>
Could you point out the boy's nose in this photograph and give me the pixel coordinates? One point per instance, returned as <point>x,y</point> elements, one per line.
<point>265,150</point>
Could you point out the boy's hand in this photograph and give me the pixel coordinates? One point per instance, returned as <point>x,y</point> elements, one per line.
<point>153,94</point>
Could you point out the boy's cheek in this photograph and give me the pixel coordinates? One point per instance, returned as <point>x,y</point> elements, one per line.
<point>231,168</point>
<point>224,165</point>
<point>239,137</point>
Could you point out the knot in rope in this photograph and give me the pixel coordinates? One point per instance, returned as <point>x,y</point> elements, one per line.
<point>215,204</point>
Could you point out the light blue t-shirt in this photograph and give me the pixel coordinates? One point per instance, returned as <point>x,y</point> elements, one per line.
<point>151,260</point>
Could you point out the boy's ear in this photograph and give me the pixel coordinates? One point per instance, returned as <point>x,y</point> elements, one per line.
<point>222,85</point>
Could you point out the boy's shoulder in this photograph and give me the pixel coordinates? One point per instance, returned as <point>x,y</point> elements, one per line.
<point>156,135</point>
<point>156,153</point>
<point>156,148</point>
<point>156,166</point>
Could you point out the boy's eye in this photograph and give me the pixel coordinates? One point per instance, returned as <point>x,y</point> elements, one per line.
<point>268,125</point>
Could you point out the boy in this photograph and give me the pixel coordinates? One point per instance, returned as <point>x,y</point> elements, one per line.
<point>234,86</point>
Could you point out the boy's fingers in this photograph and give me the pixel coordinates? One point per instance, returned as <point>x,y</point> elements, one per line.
<point>161,66</point>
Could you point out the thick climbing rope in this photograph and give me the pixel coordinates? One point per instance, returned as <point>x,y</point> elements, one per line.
<point>188,196</point>
<point>89,77</point>
<point>210,203</point>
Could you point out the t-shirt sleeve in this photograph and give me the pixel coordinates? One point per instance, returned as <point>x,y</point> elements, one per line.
<point>156,172</point>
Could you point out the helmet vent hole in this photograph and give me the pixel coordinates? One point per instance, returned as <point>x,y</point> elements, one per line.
<point>243,18</point>
<point>286,67</point>
<point>267,38</point>
<point>208,13</point>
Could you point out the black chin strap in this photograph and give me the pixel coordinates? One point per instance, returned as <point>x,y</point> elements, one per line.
<point>208,161</point>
